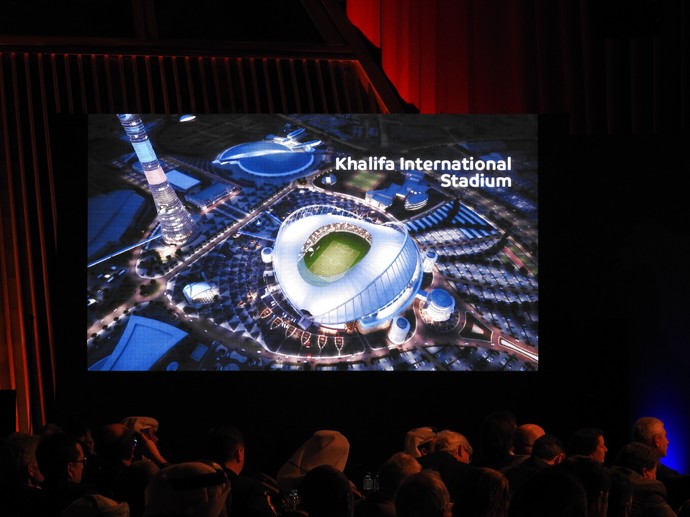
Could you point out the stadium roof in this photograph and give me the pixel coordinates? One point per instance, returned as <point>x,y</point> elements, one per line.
<point>143,342</point>
<point>387,276</point>
<point>266,159</point>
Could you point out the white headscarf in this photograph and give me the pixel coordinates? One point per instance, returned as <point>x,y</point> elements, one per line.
<point>323,448</point>
<point>190,489</point>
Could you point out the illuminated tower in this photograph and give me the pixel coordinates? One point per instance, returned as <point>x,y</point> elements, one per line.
<point>177,226</point>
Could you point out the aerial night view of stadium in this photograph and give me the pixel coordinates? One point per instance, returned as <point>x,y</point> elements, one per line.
<point>312,243</point>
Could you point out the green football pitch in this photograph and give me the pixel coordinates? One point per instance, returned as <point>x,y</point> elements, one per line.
<point>364,181</point>
<point>336,253</point>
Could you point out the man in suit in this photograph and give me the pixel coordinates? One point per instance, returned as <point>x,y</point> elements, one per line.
<point>639,462</point>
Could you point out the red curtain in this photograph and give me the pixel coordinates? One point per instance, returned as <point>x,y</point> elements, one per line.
<point>612,66</point>
<point>27,244</point>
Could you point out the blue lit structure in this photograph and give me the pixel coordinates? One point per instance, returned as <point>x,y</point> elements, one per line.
<point>177,225</point>
<point>382,285</point>
<point>266,159</point>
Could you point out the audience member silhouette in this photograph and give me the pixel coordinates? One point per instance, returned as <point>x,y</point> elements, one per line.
<point>423,495</point>
<point>324,447</point>
<point>588,441</point>
<point>548,450</point>
<point>530,475</point>
<point>496,440</point>
<point>188,489</point>
<point>523,440</point>
<point>226,446</point>
<point>551,492</point>
<point>448,444</point>
<point>651,432</point>
<point>391,474</point>
<point>20,477</point>
<point>61,460</point>
<point>525,436</point>
<point>595,479</point>
<point>145,428</point>
<point>489,496</point>
<point>120,475</point>
<point>96,505</point>
<point>80,427</point>
<point>142,424</point>
<point>451,459</point>
<point>639,462</point>
<point>50,428</point>
<point>326,492</point>
<point>420,441</point>
<point>620,494</point>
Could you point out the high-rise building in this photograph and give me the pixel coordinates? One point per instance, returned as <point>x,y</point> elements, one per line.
<point>177,225</point>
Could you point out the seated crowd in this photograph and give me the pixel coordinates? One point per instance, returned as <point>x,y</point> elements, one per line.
<point>118,470</point>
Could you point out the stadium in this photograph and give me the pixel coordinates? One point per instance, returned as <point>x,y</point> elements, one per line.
<point>200,293</point>
<point>267,159</point>
<point>335,268</point>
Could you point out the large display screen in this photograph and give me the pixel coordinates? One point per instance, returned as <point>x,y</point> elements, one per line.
<point>353,242</point>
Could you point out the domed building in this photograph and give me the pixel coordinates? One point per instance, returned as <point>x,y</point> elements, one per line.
<point>200,293</point>
<point>335,268</point>
<point>272,160</point>
<point>439,305</point>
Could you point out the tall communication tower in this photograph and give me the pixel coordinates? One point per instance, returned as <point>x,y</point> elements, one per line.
<point>177,225</point>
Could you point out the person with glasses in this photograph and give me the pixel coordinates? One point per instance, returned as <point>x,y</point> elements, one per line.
<point>61,460</point>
